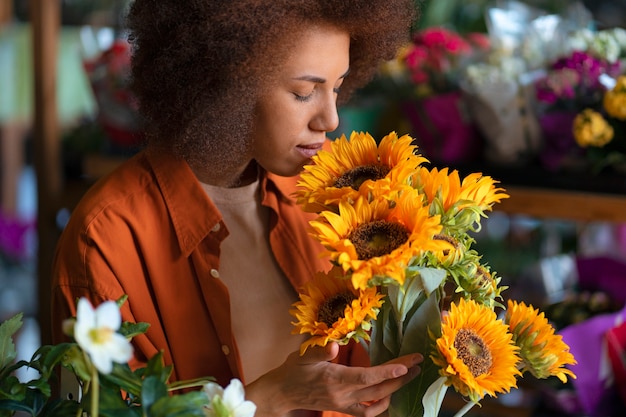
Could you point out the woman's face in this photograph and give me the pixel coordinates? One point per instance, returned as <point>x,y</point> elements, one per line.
<point>300,107</point>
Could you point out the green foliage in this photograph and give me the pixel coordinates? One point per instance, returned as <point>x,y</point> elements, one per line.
<point>122,393</point>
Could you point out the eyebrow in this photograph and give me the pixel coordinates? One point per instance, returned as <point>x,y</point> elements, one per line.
<point>318,80</point>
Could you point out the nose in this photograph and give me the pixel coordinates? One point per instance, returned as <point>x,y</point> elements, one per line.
<point>327,117</point>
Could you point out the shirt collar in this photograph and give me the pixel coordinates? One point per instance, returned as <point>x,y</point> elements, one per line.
<point>192,213</point>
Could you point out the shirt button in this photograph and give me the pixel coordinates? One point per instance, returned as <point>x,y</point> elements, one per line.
<point>216,228</point>
<point>215,273</point>
<point>226,350</point>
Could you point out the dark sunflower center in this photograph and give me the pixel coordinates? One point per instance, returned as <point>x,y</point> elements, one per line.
<point>334,308</point>
<point>473,351</point>
<point>357,176</point>
<point>378,238</point>
<point>448,239</point>
<point>483,275</point>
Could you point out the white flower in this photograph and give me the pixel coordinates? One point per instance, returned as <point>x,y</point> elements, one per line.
<point>229,402</point>
<point>95,332</point>
<point>580,40</point>
<point>605,45</point>
<point>620,35</point>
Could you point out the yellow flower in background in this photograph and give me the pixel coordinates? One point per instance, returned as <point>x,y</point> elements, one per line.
<point>331,309</point>
<point>543,353</point>
<point>475,351</point>
<point>614,100</point>
<point>590,128</point>
<point>353,164</point>
<point>375,240</point>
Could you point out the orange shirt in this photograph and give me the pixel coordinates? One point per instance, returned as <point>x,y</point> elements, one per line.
<point>149,230</point>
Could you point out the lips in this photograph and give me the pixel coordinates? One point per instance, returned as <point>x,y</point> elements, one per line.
<point>309,150</point>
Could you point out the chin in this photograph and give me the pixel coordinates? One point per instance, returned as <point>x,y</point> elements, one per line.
<point>286,171</point>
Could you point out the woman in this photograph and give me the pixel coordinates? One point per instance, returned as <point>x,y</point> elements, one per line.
<point>199,229</point>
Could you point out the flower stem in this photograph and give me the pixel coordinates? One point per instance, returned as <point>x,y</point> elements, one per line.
<point>465,409</point>
<point>95,392</point>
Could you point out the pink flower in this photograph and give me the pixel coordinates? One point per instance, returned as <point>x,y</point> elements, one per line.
<point>435,57</point>
<point>442,39</point>
<point>479,40</point>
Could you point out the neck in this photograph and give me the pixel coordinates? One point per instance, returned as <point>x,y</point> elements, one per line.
<point>246,176</point>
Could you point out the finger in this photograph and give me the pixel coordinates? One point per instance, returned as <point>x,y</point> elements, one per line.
<point>385,388</point>
<point>369,409</point>
<point>409,360</point>
<point>392,369</point>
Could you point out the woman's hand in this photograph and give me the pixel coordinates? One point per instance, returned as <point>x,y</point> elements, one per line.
<point>312,382</point>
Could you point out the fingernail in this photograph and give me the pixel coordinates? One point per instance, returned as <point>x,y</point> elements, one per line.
<point>398,372</point>
<point>418,358</point>
<point>414,371</point>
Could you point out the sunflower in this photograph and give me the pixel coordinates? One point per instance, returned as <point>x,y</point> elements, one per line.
<point>476,352</point>
<point>543,353</point>
<point>331,309</point>
<point>450,196</point>
<point>482,285</point>
<point>354,166</point>
<point>375,240</point>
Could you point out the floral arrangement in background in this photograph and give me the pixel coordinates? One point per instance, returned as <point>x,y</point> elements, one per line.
<point>424,80</point>
<point>602,131</point>
<point>109,73</point>
<point>398,237</point>
<point>98,359</point>
<point>431,63</point>
<point>572,98</point>
<point>575,81</point>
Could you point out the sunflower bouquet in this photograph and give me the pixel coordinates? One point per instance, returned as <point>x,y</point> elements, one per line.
<point>404,277</point>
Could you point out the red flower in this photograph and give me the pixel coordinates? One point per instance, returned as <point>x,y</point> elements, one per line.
<point>434,57</point>
<point>442,41</point>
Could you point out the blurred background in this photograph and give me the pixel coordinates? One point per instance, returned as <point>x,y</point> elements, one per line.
<point>508,79</point>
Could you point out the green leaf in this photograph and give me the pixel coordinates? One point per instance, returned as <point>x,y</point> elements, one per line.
<point>6,372</point>
<point>184,405</point>
<point>426,316</point>
<point>7,348</point>
<point>74,359</point>
<point>31,402</point>
<point>40,385</point>
<point>431,278</point>
<point>12,405</point>
<point>110,402</point>
<point>381,348</point>
<point>153,389</point>
<point>60,408</point>
<point>406,402</point>
<point>155,367</point>
<point>130,330</point>
<point>12,389</point>
<point>36,399</point>
<point>46,358</point>
<point>124,378</point>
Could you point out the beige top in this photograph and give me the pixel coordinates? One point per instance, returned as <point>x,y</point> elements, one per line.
<point>255,281</point>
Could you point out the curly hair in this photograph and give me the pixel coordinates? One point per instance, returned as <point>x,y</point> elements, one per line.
<point>198,66</point>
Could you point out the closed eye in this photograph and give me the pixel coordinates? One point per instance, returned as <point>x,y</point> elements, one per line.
<point>303,98</point>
